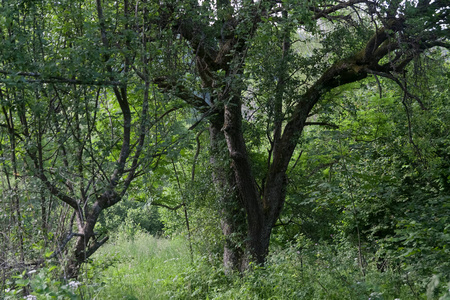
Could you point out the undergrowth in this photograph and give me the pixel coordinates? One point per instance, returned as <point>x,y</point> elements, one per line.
<point>144,267</point>
<point>150,268</point>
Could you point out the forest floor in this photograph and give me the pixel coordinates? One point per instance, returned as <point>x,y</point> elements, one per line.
<point>145,267</point>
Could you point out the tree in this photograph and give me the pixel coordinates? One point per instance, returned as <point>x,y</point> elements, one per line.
<point>76,98</point>
<point>358,39</point>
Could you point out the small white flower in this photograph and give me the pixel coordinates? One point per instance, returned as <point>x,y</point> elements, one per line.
<point>30,297</point>
<point>7,290</point>
<point>74,284</point>
<point>31,272</point>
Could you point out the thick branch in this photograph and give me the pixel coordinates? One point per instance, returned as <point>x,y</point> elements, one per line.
<point>57,79</point>
<point>322,124</point>
<point>95,247</point>
<point>320,13</point>
<point>166,206</point>
<point>181,92</point>
<point>110,195</point>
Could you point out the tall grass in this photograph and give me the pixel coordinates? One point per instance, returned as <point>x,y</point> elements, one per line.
<point>142,267</point>
<point>139,266</point>
<point>145,267</point>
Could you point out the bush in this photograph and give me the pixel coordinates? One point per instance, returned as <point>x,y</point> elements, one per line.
<point>301,271</point>
<point>132,213</point>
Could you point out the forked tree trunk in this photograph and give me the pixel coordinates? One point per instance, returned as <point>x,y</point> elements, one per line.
<point>85,243</point>
<point>262,206</point>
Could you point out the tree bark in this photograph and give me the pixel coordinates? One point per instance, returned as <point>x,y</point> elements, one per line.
<point>84,246</point>
<point>232,220</point>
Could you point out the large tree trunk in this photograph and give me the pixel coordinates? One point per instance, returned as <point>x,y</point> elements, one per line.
<point>80,251</point>
<point>262,206</point>
<point>258,229</point>
<point>232,215</point>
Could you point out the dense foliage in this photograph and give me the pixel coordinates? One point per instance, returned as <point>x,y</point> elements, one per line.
<point>290,149</point>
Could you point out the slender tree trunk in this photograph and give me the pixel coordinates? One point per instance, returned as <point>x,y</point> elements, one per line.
<point>44,222</point>
<point>14,187</point>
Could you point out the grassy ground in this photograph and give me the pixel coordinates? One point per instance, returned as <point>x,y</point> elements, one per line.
<point>149,268</point>
<point>139,268</point>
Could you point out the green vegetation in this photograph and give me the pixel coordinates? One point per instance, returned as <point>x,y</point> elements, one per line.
<point>141,268</point>
<point>145,267</point>
<point>153,268</point>
<point>224,149</point>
